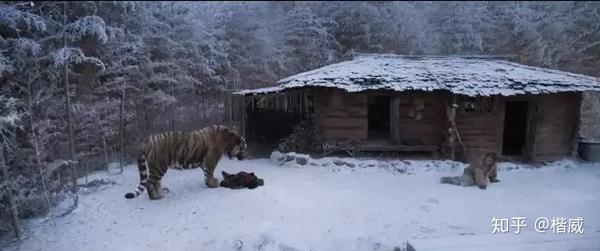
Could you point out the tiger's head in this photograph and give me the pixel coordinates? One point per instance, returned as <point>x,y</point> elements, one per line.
<point>237,148</point>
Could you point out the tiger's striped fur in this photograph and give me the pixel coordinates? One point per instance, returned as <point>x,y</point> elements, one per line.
<point>185,150</point>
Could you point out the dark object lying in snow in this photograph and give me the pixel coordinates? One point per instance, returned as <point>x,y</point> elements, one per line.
<point>405,247</point>
<point>241,180</point>
<point>97,183</point>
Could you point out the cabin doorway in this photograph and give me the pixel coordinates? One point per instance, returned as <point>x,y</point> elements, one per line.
<point>515,128</point>
<point>379,118</point>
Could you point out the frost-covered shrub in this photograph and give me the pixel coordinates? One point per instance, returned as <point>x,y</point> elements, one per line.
<point>75,56</point>
<point>93,26</point>
<point>10,118</point>
<point>16,20</point>
<point>5,66</point>
<point>22,48</point>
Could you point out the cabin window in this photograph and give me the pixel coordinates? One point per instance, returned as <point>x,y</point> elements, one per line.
<point>476,105</point>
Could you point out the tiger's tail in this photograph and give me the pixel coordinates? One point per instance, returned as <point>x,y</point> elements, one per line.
<point>143,168</point>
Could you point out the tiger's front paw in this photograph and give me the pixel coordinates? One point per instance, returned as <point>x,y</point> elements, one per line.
<point>212,182</point>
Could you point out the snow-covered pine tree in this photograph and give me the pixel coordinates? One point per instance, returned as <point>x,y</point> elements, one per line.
<point>308,38</point>
<point>10,119</point>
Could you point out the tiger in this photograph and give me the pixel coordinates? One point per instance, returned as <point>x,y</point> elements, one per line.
<point>185,150</point>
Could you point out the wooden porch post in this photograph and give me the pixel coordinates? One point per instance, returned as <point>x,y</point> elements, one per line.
<point>453,131</point>
<point>451,113</point>
<point>577,126</point>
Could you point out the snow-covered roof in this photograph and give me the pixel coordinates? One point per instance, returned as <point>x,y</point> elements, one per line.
<point>467,75</point>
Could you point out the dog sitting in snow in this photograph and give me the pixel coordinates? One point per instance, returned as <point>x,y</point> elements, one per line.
<point>241,180</point>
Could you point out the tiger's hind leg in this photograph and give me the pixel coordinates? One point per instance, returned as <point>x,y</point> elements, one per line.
<point>153,186</point>
<point>208,166</point>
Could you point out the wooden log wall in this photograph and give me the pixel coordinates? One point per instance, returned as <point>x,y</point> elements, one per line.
<point>482,131</point>
<point>341,115</point>
<point>429,127</point>
<point>554,131</point>
<point>558,116</point>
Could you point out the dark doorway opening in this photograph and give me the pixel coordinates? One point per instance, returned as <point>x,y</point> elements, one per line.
<point>515,127</point>
<point>265,129</point>
<point>379,117</point>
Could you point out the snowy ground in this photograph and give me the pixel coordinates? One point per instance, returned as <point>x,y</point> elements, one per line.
<point>373,205</point>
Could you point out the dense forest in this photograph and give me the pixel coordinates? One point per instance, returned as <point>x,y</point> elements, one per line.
<point>82,82</point>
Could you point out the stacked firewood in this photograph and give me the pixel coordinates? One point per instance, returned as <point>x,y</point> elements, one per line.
<point>302,139</point>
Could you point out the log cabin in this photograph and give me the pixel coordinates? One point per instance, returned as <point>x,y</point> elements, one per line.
<point>439,105</point>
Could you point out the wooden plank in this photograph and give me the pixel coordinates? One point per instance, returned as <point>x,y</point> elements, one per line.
<point>395,148</point>
<point>344,121</point>
<point>395,119</point>
<point>343,127</point>
<point>344,134</point>
<point>330,116</point>
<point>576,124</point>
